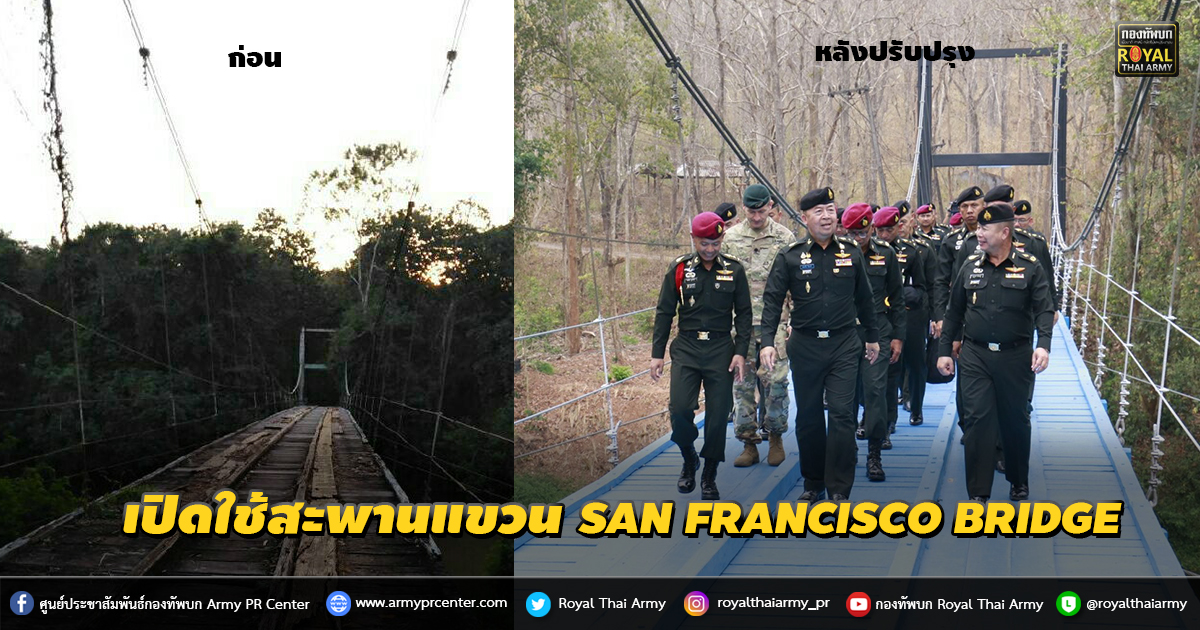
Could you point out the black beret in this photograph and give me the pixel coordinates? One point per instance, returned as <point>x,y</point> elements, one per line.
<point>1022,207</point>
<point>903,207</point>
<point>815,198</point>
<point>970,194</point>
<point>840,212</point>
<point>726,211</point>
<point>1003,192</point>
<point>995,213</point>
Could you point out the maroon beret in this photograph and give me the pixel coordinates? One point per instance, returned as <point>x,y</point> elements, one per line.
<point>956,219</point>
<point>857,216</point>
<point>925,209</point>
<point>707,225</point>
<point>887,216</point>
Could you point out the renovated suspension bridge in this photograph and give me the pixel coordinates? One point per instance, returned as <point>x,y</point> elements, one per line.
<point>1078,453</point>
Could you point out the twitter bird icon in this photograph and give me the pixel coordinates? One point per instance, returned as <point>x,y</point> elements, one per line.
<point>538,604</point>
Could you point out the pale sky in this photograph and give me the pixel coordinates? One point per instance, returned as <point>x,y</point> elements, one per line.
<point>361,72</point>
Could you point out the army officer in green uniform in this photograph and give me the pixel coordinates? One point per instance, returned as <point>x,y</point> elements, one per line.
<point>754,242</point>
<point>830,290</point>
<point>999,298</point>
<point>708,289</point>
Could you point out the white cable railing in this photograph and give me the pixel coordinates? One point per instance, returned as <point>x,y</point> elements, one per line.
<point>614,425</point>
<point>1160,388</point>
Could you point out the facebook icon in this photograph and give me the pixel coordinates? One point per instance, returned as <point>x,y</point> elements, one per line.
<point>21,603</point>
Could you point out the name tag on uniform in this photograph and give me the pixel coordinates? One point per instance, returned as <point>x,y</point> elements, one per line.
<point>1018,275</point>
<point>843,262</point>
<point>975,278</point>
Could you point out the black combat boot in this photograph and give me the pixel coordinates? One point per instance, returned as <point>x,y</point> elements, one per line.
<point>687,477</point>
<point>708,481</point>
<point>875,461</point>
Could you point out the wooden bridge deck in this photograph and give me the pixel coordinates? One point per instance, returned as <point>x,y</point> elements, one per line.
<point>312,454</point>
<point>1075,457</point>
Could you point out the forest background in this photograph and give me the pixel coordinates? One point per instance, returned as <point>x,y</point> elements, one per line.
<point>186,335</point>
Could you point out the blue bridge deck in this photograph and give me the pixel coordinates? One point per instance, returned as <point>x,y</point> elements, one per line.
<point>1075,456</point>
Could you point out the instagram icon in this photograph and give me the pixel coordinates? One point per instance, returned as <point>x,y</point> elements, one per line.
<point>696,603</point>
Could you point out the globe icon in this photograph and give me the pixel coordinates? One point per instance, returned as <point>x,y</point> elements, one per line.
<point>338,603</point>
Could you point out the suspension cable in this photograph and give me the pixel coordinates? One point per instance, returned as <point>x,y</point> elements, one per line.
<point>148,68</point>
<point>673,62</point>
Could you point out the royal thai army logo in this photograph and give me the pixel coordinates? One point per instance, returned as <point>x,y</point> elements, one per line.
<point>1147,49</point>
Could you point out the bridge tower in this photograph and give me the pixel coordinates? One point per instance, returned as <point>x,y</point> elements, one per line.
<point>298,390</point>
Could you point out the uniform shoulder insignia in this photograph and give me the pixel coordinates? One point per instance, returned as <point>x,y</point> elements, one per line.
<point>681,259</point>
<point>1033,235</point>
<point>798,243</point>
<point>880,242</point>
<point>730,258</point>
<point>977,255</point>
<point>1030,257</point>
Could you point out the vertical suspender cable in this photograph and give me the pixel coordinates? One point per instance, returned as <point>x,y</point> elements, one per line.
<point>212,370</point>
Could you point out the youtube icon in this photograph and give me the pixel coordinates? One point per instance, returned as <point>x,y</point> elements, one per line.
<point>858,604</point>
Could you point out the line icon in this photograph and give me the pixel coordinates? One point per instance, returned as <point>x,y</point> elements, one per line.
<point>1068,604</point>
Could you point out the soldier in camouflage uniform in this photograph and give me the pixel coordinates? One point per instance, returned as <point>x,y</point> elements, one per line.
<point>755,242</point>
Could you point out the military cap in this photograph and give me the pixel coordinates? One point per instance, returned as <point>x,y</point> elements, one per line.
<point>840,212</point>
<point>1022,207</point>
<point>995,213</point>
<point>887,216</point>
<point>815,198</point>
<point>903,207</point>
<point>1003,192</point>
<point>726,211</point>
<point>956,219</point>
<point>927,208</point>
<point>971,193</point>
<point>755,196</point>
<point>707,225</point>
<point>857,217</point>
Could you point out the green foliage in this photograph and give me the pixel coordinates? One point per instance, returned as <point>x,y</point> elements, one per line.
<point>530,166</point>
<point>31,499</point>
<point>500,558</point>
<point>1177,507</point>
<point>226,306</point>
<point>619,373</point>
<point>536,309</point>
<point>644,324</point>
<point>536,488</point>
<point>113,506</point>
<point>543,367</point>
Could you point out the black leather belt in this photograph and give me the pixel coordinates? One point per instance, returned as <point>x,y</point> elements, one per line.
<point>703,335</point>
<point>822,334</point>
<point>997,347</point>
